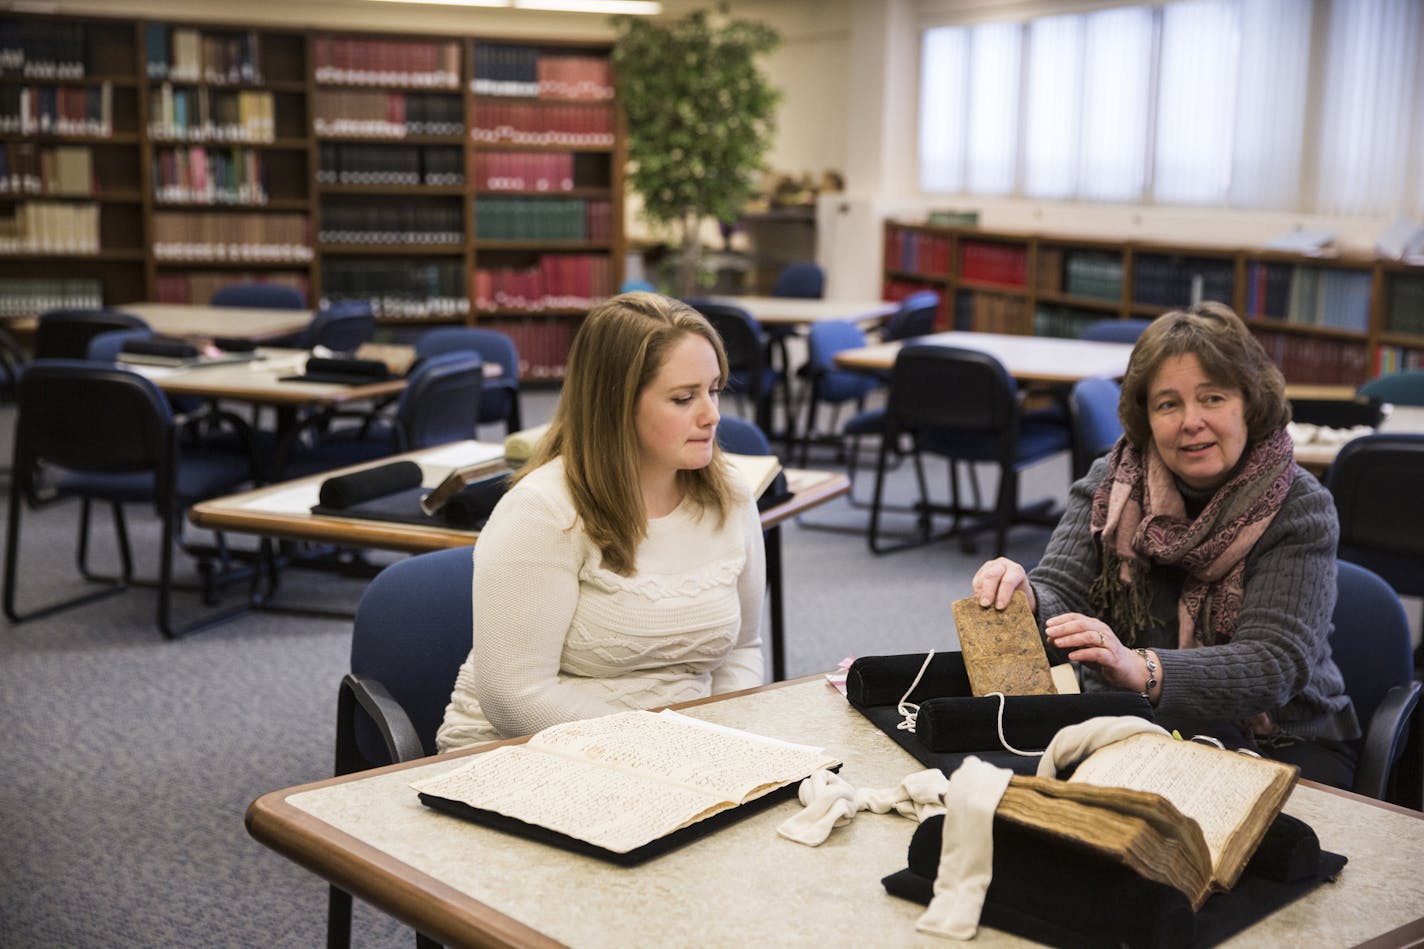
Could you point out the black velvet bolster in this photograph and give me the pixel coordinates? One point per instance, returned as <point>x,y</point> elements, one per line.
<point>1061,893</point>
<point>470,507</point>
<point>1288,853</point>
<point>882,680</point>
<point>372,369</point>
<point>157,346</point>
<point>233,344</point>
<point>967,723</point>
<point>776,493</point>
<point>346,490</point>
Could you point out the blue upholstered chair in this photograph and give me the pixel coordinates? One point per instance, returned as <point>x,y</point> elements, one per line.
<point>962,405</point>
<point>803,279</point>
<point>412,632</point>
<point>500,401</point>
<point>636,283</point>
<point>1400,388</point>
<point>915,317</point>
<point>1370,644</point>
<point>65,334</point>
<point>1115,330</point>
<point>262,296</point>
<point>832,386</point>
<point>1092,405</point>
<point>107,435</point>
<point>751,375</point>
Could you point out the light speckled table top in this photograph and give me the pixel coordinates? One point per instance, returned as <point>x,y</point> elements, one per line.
<point>744,885</point>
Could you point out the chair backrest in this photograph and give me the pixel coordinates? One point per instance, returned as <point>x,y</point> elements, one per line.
<point>87,417</point>
<point>105,347</point>
<point>741,437</point>
<point>1375,482</point>
<point>915,317</point>
<point>1115,331</point>
<point>942,387</point>
<point>441,402</point>
<point>265,296</point>
<point>802,279</point>
<point>413,628</point>
<point>1401,388</point>
<point>342,327</point>
<point>636,283</point>
<point>1371,645</point>
<point>1092,405</point>
<point>65,334</point>
<point>742,339</point>
<point>492,346</point>
<point>827,338</point>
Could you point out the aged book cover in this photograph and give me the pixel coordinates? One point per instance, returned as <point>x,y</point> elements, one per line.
<point>1002,649</point>
<point>1183,813</point>
<point>623,781</point>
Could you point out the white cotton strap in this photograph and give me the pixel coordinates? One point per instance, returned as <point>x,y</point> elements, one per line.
<point>966,860</point>
<point>828,802</point>
<point>908,710</point>
<point>919,796</point>
<point>1075,742</point>
<point>1004,741</point>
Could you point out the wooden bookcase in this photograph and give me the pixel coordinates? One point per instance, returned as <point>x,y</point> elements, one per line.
<point>1325,320</point>
<point>448,180</point>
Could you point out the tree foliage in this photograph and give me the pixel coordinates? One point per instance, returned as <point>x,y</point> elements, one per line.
<point>700,115</point>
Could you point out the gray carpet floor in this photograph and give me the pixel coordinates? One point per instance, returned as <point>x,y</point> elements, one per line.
<point>128,761</point>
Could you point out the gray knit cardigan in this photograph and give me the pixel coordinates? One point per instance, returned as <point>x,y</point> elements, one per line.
<point>1277,661</point>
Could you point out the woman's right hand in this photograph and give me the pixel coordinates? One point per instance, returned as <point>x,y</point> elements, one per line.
<point>996,581</point>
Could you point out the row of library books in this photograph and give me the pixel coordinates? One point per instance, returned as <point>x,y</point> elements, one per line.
<point>366,62</point>
<point>1063,322</point>
<point>57,110</point>
<point>983,312</point>
<point>281,238</point>
<point>1390,359</point>
<point>985,262</point>
<point>1172,281</point>
<point>211,115</point>
<point>386,114</point>
<point>536,219</point>
<point>543,344</point>
<point>183,54</point>
<point>27,296</point>
<point>42,49</point>
<point>399,289</point>
<point>196,286</point>
<point>50,227</point>
<point>399,221</point>
<point>1406,306</point>
<point>200,175</point>
<point>537,123</point>
<point>527,71</point>
<point>524,171</point>
<point>27,168</point>
<point>557,282</point>
<point>345,164</point>
<point>1313,296</point>
<point>1092,274</point>
<point>1315,359</point>
<point>916,251</point>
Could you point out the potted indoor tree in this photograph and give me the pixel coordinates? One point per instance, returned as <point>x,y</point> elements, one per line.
<point>700,117</point>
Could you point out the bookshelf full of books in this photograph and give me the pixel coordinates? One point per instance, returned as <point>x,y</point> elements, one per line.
<point>444,179</point>
<point>71,191</point>
<point>1329,320</point>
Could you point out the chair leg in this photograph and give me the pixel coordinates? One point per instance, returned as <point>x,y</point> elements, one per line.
<point>121,537</point>
<point>12,567</point>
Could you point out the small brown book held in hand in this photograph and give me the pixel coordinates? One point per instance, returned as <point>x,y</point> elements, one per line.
<point>1002,649</point>
<point>1179,812</point>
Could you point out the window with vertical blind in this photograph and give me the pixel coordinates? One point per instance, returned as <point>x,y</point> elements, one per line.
<point>1281,105</point>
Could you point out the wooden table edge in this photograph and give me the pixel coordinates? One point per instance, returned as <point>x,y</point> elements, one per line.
<point>357,867</point>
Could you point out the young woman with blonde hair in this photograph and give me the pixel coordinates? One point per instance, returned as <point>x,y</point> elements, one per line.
<point>625,567</point>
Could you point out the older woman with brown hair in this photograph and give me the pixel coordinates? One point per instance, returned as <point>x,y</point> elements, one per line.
<point>625,567</point>
<point>1196,563</point>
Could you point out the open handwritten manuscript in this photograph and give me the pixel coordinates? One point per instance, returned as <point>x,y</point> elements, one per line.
<point>1183,813</point>
<point>621,783</point>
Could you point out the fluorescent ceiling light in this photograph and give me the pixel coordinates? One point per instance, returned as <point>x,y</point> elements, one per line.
<point>452,3</point>
<point>633,7</point>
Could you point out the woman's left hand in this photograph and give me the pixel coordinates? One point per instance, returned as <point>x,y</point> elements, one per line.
<point>1086,639</point>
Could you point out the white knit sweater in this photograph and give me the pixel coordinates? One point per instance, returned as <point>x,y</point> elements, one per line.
<point>557,637</point>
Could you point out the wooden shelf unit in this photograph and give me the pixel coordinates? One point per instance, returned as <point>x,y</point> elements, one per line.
<point>1337,320</point>
<point>260,163</point>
